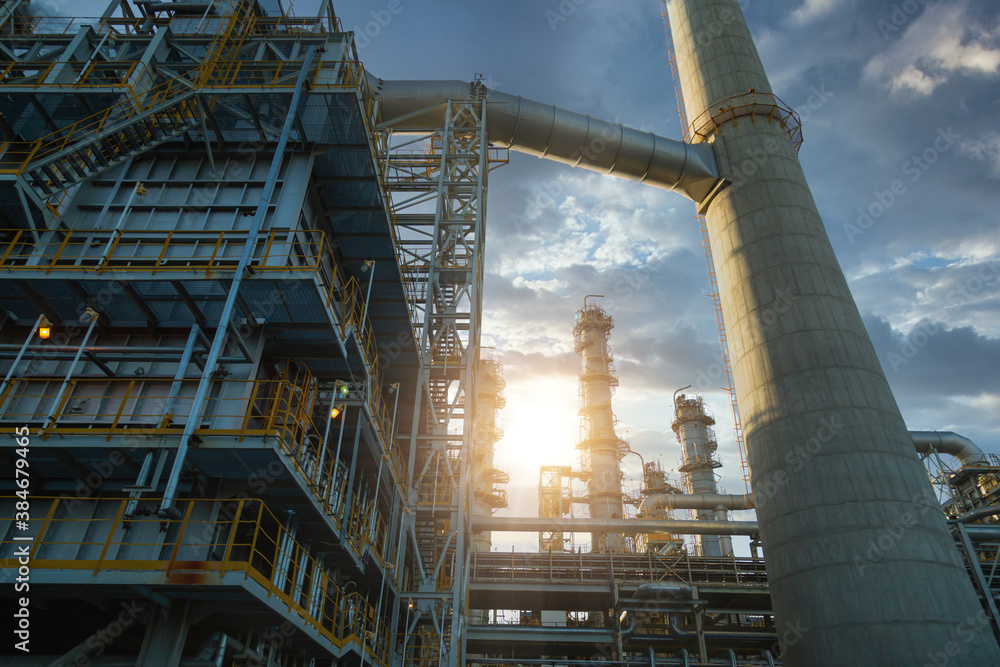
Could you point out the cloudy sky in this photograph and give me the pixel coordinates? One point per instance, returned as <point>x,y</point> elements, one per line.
<point>889,99</point>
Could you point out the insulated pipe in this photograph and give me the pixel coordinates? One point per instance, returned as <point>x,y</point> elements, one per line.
<point>808,380</point>
<point>948,442</point>
<point>703,501</point>
<point>977,514</point>
<point>982,532</point>
<point>555,134</point>
<point>674,526</point>
<point>673,589</point>
<point>675,630</point>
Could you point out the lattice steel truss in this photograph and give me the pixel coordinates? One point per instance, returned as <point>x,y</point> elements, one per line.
<point>437,180</point>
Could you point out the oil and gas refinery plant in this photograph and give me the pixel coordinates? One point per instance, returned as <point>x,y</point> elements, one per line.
<point>250,421</point>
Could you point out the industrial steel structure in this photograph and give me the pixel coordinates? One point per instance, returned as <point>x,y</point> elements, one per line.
<point>240,338</point>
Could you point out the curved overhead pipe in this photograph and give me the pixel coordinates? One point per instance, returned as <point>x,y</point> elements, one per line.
<point>948,442</point>
<point>555,134</point>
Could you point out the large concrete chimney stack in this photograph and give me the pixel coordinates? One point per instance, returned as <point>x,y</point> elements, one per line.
<point>862,567</point>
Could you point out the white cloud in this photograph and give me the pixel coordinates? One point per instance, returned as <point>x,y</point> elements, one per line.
<point>985,149</point>
<point>811,10</point>
<point>942,41</point>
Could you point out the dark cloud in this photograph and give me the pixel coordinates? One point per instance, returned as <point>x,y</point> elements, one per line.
<point>931,359</point>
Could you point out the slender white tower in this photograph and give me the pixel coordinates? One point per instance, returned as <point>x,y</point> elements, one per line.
<point>602,448</point>
<point>693,426</point>
<point>862,568</point>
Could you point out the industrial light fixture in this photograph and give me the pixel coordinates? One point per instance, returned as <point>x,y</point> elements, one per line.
<point>336,410</point>
<point>342,389</point>
<point>621,619</point>
<point>44,328</point>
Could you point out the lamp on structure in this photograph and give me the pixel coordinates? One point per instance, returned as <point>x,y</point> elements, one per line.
<point>41,322</point>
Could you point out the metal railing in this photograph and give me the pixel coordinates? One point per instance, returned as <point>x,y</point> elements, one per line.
<point>146,25</point>
<point>215,77</point>
<point>599,568</point>
<point>280,409</point>
<point>160,250</point>
<point>153,251</point>
<point>204,545</point>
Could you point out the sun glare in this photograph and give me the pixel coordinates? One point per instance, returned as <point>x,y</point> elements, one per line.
<point>541,427</point>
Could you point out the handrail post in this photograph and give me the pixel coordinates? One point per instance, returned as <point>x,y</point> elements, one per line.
<point>232,539</point>
<point>180,537</point>
<point>111,534</point>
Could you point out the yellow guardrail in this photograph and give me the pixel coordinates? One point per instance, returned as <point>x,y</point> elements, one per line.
<point>210,78</point>
<point>88,74</point>
<point>155,251</point>
<point>102,250</point>
<point>144,25</point>
<point>238,536</point>
<point>280,408</point>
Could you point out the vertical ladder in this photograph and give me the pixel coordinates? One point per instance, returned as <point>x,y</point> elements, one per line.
<point>712,279</point>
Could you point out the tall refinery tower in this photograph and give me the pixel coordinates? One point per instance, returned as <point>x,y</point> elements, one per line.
<point>693,426</point>
<point>808,375</point>
<point>602,448</point>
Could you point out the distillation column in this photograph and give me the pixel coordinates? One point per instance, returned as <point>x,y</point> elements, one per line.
<point>693,426</point>
<point>602,449</point>
<point>808,382</point>
<point>487,479</point>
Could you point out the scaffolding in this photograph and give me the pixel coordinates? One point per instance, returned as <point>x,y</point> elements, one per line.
<point>188,197</point>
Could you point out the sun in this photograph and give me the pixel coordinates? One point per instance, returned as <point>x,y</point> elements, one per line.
<point>541,427</point>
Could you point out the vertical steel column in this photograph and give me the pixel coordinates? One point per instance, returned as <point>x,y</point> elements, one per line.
<point>17,360</point>
<point>57,403</point>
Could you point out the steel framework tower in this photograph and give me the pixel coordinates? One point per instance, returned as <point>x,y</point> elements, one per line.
<point>437,180</point>
<point>693,426</point>
<point>601,446</point>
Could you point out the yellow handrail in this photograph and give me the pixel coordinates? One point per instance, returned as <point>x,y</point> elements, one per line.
<point>243,537</point>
